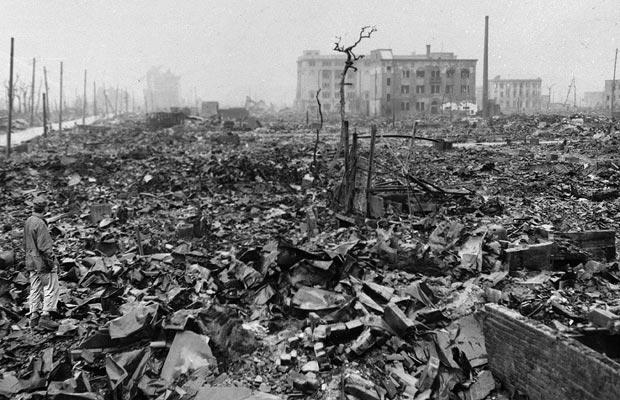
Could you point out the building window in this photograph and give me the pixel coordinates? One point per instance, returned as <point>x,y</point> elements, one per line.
<point>387,97</point>
<point>419,89</point>
<point>465,74</point>
<point>419,73</point>
<point>464,89</point>
<point>311,63</point>
<point>449,89</point>
<point>311,94</point>
<point>404,106</point>
<point>419,106</point>
<point>389,81</point>
<point>327,106</point>
<point>435,74</point>
<point>405,73</point>
<point>326,95</point>
<point>404,89</point>
<point>450,73</point>
<point>327,74</point>
<point>326,63</point>
<point>434,89</point>
<point>326,85</point>
<point>389,68</point>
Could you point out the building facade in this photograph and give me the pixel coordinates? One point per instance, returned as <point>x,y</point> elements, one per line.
<point>608,87</point>
<point>388,85</point>
<point>593,100</point>
<point>162,90</point>
<point>516,96</point>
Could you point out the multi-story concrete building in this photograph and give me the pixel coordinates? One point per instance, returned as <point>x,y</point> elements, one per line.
<point>593,100</point>
<point>388,85</point>
<point>162,90</point>
<point>608,87</point>
<point>521,96</point>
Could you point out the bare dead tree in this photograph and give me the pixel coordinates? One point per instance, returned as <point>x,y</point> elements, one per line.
<point>365,33</point>
<point>318,131</point>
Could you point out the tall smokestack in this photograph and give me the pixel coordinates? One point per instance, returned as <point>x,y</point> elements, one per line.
<point>428,51</point>
<point>485,71</point>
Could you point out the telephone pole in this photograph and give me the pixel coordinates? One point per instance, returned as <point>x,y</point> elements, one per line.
<point>84,101</point>
<point>485,71</point>
<point>94,98</point>
<point>34,62</point>
<point>47,90</point>
<point>45,100</point>
<point>61,103</point>
<point>613,87</point>
<point>8,134</point>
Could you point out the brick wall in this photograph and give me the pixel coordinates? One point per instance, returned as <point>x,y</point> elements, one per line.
<point>529,356</point>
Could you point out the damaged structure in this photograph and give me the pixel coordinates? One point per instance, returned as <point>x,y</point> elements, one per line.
<point>388,84</point>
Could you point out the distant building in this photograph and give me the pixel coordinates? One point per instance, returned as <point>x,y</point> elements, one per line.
<point>234,113</point>
<point>593,100</point>
<point>608,87</point>
<point>209,109</point>
<point>520,96</point>
<point>388,85</point>
<point>162,90</point>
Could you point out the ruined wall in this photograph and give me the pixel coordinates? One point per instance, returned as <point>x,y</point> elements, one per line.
<point>531,357</point>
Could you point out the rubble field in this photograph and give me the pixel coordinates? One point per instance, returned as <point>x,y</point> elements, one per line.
<point>196,263</point>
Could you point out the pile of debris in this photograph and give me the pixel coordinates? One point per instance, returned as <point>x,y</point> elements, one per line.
<point>197,268</point>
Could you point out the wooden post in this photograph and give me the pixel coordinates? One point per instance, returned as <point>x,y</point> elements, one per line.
<point>116,102</point>
<point>44,115</point>
<point>47,91</point>
<point>38,96</point>
<point>307,118</point>
<point>34,63</point>
<point>9,128</point>
<point>346,147</point>
<point>354,159</point>
<point>61,103</point>
<point>84,101</point>
<point>485,71</point>
<point>105,98</point>
<point>94,98</point>
<point>613,87</point>
<point>371,156</point>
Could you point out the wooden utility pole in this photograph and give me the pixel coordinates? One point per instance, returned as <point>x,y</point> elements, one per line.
<point>94,98</point>
<point>47,90</point>
<point>44,115</point>
<point>116,102</point>
<point>485,71</point>
<point>613,87</point>
<point>371,156</point>
<point>84,100</point>
<point>105,98</point>
<point>9,128</point>
<point>38,96</point>
<point>61,103</point>
<point>34,62</point>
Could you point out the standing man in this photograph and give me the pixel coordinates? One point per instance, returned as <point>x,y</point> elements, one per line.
<point>42,265</point>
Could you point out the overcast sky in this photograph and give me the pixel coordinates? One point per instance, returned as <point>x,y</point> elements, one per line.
<point>228,49</point>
